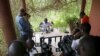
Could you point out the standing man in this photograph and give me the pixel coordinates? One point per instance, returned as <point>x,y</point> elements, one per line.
<point>23,25</point>
<point>84,18</point>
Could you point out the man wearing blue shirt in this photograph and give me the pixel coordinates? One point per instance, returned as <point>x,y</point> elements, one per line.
<point>23,25</point>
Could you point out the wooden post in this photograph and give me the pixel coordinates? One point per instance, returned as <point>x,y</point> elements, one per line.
<point>95,17</point>
<point>6,21</point>
<point>83,5</point>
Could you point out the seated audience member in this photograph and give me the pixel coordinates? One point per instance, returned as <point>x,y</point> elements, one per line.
<point>17,48</point>
<point>30,47</point>
<point>89,45</point>
<point>85,30</point>
<point>76,29</point>
<point>77,34</point>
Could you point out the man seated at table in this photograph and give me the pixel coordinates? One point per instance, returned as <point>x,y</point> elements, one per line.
<point>45,26</point>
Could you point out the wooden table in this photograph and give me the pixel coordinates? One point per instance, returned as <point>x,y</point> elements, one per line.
<point>53,35</point>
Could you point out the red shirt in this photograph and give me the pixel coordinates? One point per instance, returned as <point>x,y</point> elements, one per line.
<point>85,19</point>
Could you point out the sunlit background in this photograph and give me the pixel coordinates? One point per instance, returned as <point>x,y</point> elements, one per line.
<point>64,13</point>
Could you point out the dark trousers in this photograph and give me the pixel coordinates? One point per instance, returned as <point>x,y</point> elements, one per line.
<point>23,38</point>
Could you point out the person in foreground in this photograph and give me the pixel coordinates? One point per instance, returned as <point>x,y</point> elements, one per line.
<point>17,48</point>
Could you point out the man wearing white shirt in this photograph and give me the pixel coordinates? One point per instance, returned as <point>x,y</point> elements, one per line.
<point>75,44</point>
<point>45,26</point>
<point>30,47</point>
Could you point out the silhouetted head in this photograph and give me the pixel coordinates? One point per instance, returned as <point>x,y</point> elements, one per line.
<point>86,27</point>
<point>90,46</point>
<point>77,24</point>
<point>45,20</point>
<point>77,32</point>
<point>16,48</point>
<point>82,14</point>
<point>22,12</point>
<point>30,43</point>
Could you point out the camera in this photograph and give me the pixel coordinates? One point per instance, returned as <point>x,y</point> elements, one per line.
<point>46,47</point>
<point>65,45</point>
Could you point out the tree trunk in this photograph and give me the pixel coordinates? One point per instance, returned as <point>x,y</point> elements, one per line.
<point>83,5</point>
<point>23,4</point>
<point>6,21</point>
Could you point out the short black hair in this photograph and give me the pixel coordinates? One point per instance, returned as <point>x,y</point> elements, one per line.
<point>16,48</point>
<point>82,14</point>
<point>86,27</point>
<point>87,46</point>
<point>22,10</point>
<point>45,20</point>
<point>90,45</point>
<point>30,43</point>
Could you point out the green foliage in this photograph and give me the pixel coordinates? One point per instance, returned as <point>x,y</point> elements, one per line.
<point>61,12</point>
<point>61,16</point>
<point>58,11</point>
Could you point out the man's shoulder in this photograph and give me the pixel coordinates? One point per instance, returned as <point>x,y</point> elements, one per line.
<point>84,36</point>
<point>87,38</point>
<point>18,17</point>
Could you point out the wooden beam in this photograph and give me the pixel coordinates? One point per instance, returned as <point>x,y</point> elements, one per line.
<point>83,5</point>
<point>95,17</point>
<point>7,21</point>
<point>23,4</point>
